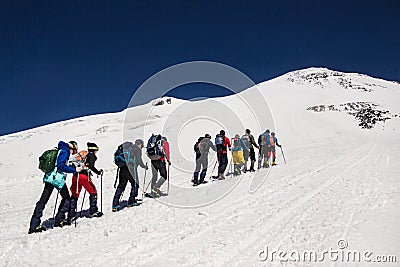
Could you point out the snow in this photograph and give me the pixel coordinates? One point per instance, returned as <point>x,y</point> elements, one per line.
<point>340,181</point>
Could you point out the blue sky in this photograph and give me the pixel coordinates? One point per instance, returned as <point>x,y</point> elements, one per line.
<point>65,59</point>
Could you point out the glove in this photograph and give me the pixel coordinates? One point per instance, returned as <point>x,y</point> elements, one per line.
<point>169,162</point>
<point>101,171</point>
<point>78,169</point>
<point>280,145</point>
<point>146,167</point>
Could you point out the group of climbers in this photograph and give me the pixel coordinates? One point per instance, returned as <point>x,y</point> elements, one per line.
<point>67,158</point>
<point>242,148</point>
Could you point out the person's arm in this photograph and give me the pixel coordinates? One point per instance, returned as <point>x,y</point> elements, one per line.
<point>138,154</point>
<point>253,142</point>
<point>276,142</point>
<point>90,160</point>
<point>213,147</point>
<point>244,144</point>
<point>227,142</point>
<point>62,162</point>
<point>167,152</point>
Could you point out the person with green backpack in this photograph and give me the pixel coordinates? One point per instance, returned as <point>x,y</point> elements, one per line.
<point>54,164</point>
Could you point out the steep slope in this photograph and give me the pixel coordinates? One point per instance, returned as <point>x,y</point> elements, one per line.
<point>340,181</point>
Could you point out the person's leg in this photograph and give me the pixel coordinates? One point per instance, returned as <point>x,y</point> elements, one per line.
<point>252,158</point>
<point>63,208</point>
<point>134,190</point>
<point>160,165</point>
<point>196,171</point>
<point>224,162</point>
<point>123,180</point>
<point>204,165</point>
<point>38,211</point>
<point>154,175</point>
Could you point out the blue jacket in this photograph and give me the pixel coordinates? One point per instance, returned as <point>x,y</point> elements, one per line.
<point>63,157</point>
<point>242,145</point>
<point>276,141</point>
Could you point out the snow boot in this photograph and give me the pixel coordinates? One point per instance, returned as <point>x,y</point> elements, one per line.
<point>93,205</point>
<point>97,214</point>
<point>116,208</point>
<point>38,229</point>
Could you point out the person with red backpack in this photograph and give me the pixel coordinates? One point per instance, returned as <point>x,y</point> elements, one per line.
<point>274,142</point>
<point>159,153</point>
<point>222,142</point>
<point>83,179</point>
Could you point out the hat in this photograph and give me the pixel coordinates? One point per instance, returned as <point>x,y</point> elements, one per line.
<point>273,134</point>
<point>73,145</point>
<point>92,147</point>
<point>207,136</point>
<point>237,136</point>
<point>267,131</point>
<point>222,132</point>
<point>139,142</point>
<point>248,131</point>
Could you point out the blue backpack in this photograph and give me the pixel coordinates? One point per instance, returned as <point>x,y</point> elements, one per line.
<point>123,155</point>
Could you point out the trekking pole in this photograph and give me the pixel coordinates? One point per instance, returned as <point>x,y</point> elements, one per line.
<point>54,212</point>
<point>101,192</point>
<point>144,181</point>
<point>83,201</point>
<point>76,206</point>
<point>283,155</point>
<point>168,179</point>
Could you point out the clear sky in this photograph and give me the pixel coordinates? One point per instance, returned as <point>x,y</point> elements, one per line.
<point>65,59</point>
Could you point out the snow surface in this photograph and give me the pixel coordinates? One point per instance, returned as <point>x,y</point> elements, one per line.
<point>340,181</point>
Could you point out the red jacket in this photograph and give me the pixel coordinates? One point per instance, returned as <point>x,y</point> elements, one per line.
<point>226,143</point>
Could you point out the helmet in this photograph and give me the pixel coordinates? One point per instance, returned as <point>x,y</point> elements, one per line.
<point>248,131</point>
<point>207,136</point>
<point>139,142</point>
<point>73,145</point>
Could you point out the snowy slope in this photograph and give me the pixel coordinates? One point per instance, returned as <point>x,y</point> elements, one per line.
<point>340,181</point>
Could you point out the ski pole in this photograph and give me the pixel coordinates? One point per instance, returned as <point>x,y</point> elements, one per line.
<point>168,178</point>
<point>83,201</point>
<point>144,181</point>
<point>283,155</point>
<point>101,192</point>
<point>54,212</point>
<point>76,206</point>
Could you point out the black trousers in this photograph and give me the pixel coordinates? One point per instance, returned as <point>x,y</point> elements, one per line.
<point>124,177</point>
<point>44,198</point>
<point>223,162</point>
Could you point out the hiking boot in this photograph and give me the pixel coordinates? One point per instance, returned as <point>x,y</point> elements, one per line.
<point>155,193</point>
<point>38,229</point>
<point>116,208</point>
<point>96,214</point>
<point>62,223</point>
<point>273,163</point>
<point>221,177</point>
<point>252,170</point>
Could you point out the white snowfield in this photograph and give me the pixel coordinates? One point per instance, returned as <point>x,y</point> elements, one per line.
<point>340,188</point>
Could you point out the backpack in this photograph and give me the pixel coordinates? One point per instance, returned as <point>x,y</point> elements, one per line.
<point>123,155</point>
<point>262,139</point>
<point>236,144</point>
<point>78,159</point>
<point>155,147</point>
<point>204,145</point>
<point>246,139</point>
<point>47,161</point>
<point>219,142</point>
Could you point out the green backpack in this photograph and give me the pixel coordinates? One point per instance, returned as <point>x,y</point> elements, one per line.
<point>47,161</point>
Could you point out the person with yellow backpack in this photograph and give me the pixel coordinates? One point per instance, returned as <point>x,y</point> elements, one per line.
<point>273,142</point>
<point>238,145</point>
